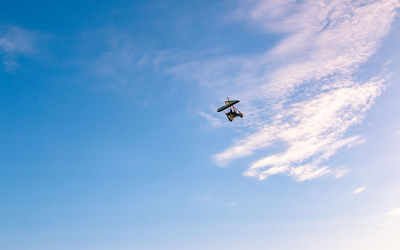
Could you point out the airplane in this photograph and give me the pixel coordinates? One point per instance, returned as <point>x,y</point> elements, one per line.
<point>233,112</point>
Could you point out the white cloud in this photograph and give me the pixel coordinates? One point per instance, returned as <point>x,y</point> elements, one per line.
<point>15,41</point>
<point>359,190</point>
<point>124,64</point>
<point>312,96</point>
<point>302,94</point>
<point>340,172</point>
<point>212,120</point>
<point>312,131</point>
<point>394,212</point>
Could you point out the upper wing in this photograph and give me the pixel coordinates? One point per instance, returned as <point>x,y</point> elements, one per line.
<point>228,104</point>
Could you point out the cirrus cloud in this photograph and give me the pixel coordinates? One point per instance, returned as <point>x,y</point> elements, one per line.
<point>359,190</point>
<point>305,85</point>
<point>332,39</point>
<point>15,41</point>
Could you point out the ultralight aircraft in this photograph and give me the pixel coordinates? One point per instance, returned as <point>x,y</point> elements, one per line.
<point>233,112</point>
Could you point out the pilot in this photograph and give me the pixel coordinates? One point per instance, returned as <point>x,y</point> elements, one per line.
<point>232,114</point>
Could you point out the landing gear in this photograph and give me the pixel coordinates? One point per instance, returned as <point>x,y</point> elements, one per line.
<point>233,112</point>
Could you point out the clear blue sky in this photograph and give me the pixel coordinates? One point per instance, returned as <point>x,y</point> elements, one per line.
<point>110,139</point>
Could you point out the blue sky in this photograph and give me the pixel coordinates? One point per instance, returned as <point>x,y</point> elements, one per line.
<point>110,139</point>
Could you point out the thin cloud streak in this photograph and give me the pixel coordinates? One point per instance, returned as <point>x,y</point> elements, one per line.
<point>15,41</point>
<point>359,190</point>
<point>213,121</point>
<point>340,172</point>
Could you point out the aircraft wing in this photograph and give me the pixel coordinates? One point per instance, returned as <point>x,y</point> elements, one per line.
<point>227,105</point>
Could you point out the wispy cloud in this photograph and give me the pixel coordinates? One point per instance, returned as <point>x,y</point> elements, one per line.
<point>394,212</point>
<point>311,97</point>
<point>340,172</point>
<point>212,120</point>
<point>122,64</point>
<point>15,41</point>
<point>359,190</point>
<point>302,94</point>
